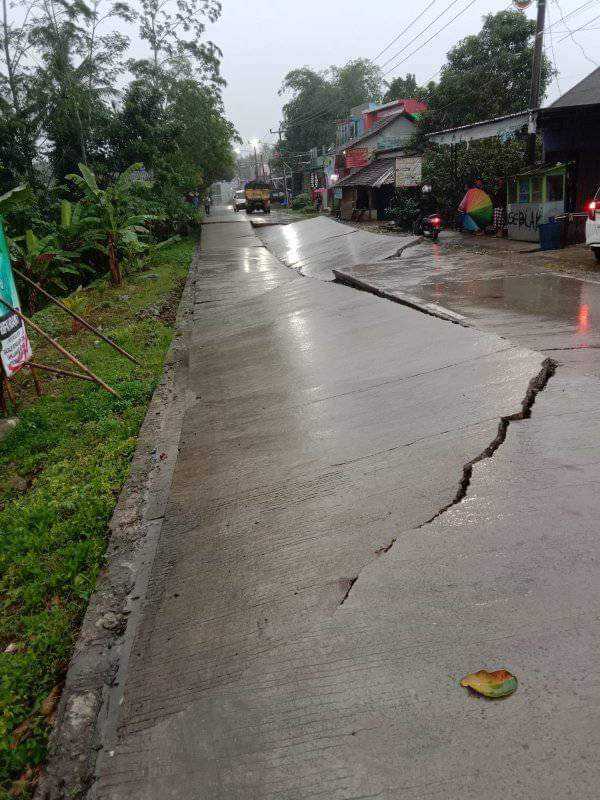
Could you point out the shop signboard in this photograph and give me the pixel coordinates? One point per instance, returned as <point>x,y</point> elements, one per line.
<point>408,171</point>
<point>358,157</point>
<point>15,348</point>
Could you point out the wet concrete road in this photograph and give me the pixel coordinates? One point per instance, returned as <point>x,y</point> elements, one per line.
<point>317,593</point>
<point>517,296</point>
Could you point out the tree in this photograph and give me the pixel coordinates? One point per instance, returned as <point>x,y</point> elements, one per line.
<point>403,88</point>
<point>19,110</point>
<point>164,24</point>
<point>320,98</point>
<point>357,82</point>
<point>487,74</point>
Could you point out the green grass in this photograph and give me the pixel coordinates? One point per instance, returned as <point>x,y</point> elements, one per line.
<point>61,471</point>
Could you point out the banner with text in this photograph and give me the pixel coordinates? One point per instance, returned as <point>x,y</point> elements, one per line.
<point>408,171</point>
<point>15,348</point>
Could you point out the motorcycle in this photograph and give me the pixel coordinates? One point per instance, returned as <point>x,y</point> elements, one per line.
<point>429,225</point>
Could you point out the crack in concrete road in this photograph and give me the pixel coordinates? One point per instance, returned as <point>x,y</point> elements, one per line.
<point>536,385</point>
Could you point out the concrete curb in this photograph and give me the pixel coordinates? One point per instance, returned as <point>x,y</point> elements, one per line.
<point>401,297</point>
<point>87,713</point>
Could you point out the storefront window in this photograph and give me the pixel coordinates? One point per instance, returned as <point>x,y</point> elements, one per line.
<point>536,189</point>
<point>512,190</point>
<point>524,190</point>
<point>554,188</point>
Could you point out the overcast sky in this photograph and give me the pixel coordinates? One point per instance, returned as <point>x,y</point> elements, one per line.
<point>261,41</point>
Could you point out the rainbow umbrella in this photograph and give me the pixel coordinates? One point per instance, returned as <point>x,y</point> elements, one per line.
<point>478,209</point>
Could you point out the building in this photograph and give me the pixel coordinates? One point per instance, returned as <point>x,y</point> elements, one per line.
<point>570,130</point>
<point>569,175</point>
<point>384,127</point>
<point>365,165</point>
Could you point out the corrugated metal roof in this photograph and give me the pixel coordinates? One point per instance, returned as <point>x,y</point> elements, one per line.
<point>585,93</point>
<point>378,173</point>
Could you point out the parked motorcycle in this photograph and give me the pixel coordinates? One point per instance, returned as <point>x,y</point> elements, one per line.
<point>428,226</point>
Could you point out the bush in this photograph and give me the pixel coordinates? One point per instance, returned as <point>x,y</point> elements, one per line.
<point>302,202</point>
<point>404,211</point>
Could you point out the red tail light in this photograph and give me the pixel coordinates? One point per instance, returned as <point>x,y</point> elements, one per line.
<point>592,208</point>
<point>436,222</point>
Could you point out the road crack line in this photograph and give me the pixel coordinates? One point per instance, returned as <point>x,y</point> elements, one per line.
<point>536,385</point>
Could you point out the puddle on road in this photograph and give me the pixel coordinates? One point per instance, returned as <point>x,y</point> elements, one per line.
<point>572,303</point>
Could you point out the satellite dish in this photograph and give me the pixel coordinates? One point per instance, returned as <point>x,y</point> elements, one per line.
<point>522,5</point>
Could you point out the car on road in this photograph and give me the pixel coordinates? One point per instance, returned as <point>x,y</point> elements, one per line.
<point>592,225</point>
<point>239,200</point>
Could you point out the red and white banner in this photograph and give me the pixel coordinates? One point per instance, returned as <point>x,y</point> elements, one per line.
<point>15,348</point>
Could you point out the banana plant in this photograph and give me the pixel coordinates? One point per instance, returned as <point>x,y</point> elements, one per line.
<point>114,227</point>
<point>42,260</point>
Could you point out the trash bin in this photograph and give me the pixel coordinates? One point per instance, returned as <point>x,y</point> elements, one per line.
<point>550,235</point>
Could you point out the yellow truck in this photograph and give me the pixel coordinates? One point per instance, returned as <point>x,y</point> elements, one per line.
<point>258,197</point>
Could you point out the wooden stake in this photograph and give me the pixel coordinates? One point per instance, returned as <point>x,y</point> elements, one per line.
<point>3,406</point>
<point>73,359</point>
<point>79,319</point>
<point>9,392</point>
<point>36,381</point>
<point>66,373</point>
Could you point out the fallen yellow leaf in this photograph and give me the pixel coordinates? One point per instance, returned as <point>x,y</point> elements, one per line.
<point>491,684</point>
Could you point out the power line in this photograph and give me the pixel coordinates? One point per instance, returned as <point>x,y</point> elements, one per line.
<point>570,34</point>
<point>581,28</point>
<point>553,54</point>
<point>418,36</point>
<point>437,33</point>
<point>408,27</point>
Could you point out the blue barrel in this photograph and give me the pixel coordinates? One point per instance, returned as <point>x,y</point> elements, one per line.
<point>550,236</point>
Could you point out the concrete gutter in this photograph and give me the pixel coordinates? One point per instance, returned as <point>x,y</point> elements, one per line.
<point>88,708</point>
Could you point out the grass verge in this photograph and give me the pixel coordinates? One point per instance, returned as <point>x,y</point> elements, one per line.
<point>61,471</point>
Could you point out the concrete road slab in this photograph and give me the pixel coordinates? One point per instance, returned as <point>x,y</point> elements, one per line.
<point>314,247</point>
<point>309,614</point>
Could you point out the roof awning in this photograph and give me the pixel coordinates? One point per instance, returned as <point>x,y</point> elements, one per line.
<point>486,129</point>
<point>377,174</point>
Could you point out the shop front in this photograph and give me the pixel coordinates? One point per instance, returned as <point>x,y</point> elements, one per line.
<point>534,198</point>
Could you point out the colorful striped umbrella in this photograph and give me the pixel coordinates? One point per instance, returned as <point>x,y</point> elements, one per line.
<point>478,206</point>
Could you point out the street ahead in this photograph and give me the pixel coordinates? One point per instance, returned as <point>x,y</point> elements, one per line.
<point>369,502</point>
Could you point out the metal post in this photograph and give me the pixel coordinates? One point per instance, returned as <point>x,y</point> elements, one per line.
<point>538,50</point>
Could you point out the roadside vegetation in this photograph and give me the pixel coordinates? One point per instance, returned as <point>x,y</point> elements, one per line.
<point>104,163</point>
<point>61,471</point>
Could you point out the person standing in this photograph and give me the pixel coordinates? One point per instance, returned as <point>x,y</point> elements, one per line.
<point>499,202</point>
<point>207,202</point>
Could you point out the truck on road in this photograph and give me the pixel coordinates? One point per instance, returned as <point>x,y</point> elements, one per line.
<point>258,197</point>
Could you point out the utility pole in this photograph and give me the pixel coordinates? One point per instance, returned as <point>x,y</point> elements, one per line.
<point>536,73</point>
<point>255,165</point>
<point>285,184</point>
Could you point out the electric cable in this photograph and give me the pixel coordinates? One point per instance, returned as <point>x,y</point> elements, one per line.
<point>408,27</point>
<point>418,35</point>
<point>437,33</point>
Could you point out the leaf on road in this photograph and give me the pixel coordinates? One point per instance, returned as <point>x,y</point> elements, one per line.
<point>500,683</point>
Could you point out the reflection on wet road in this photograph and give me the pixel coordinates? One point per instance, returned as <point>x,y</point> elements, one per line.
<point>516,298</point>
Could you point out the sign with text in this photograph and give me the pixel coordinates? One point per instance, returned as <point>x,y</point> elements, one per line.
<point>358,157</point>
<point>15,349</point>
<point>408,171</point>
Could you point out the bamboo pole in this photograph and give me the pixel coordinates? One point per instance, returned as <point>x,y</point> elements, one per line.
<point>83,321</point>
<point>10,393</point>
<point>3,405</point>
<point>36,381</point>
<point>66,373</point>
<point>73,359</point>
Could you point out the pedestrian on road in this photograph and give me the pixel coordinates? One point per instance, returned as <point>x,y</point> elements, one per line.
<point>499,201</point>
<point>207,205</point>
